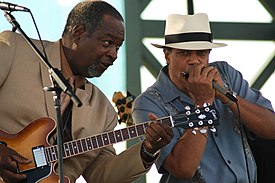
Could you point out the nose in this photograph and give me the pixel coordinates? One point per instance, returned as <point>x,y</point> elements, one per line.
<point>193,58</point>
<point>112,53</point>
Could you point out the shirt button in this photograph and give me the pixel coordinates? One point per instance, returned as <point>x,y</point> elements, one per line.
<point>216,134</point>
<point>228,161</point>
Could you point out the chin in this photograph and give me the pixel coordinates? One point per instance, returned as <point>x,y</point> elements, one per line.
<point>94,75</point>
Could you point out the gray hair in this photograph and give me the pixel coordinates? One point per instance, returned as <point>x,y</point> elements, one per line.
<point>90,14</point>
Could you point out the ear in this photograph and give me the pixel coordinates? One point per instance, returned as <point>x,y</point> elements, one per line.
<point>166,54</point>
<point>77,32</point>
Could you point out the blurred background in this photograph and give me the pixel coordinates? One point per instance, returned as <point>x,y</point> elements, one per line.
<point>247,27</point>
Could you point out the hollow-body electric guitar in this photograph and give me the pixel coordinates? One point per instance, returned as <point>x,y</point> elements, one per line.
<point>32,142</point>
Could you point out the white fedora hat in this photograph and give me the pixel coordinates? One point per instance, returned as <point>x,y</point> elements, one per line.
<point>189,32</point>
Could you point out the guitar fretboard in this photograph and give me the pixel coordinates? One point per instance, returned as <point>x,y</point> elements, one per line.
<point>206,116</point>
<point>83,145</point>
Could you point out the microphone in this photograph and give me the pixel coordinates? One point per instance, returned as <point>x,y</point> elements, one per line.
<point>12,7</point>
<point>227,93</point>
<point>215,85</point>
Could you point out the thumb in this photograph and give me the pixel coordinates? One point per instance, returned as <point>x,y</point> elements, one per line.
<point>152,116</point>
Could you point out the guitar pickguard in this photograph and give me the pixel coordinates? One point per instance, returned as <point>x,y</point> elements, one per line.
<point>37,174</point>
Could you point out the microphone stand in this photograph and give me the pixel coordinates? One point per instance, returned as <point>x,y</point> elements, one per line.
<point>59,84</point>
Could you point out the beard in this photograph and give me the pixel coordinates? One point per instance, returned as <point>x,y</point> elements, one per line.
<point>93,71</point>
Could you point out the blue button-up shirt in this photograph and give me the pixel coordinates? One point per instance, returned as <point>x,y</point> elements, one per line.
<point>227,158</point>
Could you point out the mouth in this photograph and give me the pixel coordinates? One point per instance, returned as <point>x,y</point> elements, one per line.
<point>105,64</point>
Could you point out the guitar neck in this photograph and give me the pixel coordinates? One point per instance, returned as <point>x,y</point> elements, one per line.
<point>83,145</point>
<point>206,116</point>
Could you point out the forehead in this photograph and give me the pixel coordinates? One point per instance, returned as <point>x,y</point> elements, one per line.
<point>111,27</point>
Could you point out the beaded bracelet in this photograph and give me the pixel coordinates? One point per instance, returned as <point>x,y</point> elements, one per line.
<point>150,155</point>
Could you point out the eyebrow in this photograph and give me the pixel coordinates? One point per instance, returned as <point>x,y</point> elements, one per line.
<point>113,37</point>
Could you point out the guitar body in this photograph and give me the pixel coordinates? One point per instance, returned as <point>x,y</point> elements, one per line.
<point>33,135</point>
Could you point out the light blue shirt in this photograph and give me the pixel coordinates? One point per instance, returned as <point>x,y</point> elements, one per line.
<point>224,159</point>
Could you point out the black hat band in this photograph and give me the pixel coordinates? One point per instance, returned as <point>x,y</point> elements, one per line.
<point>187,37</point>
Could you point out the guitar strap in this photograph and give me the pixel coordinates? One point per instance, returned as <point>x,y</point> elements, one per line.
<point>67,123</point>
<point>66,126</point>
